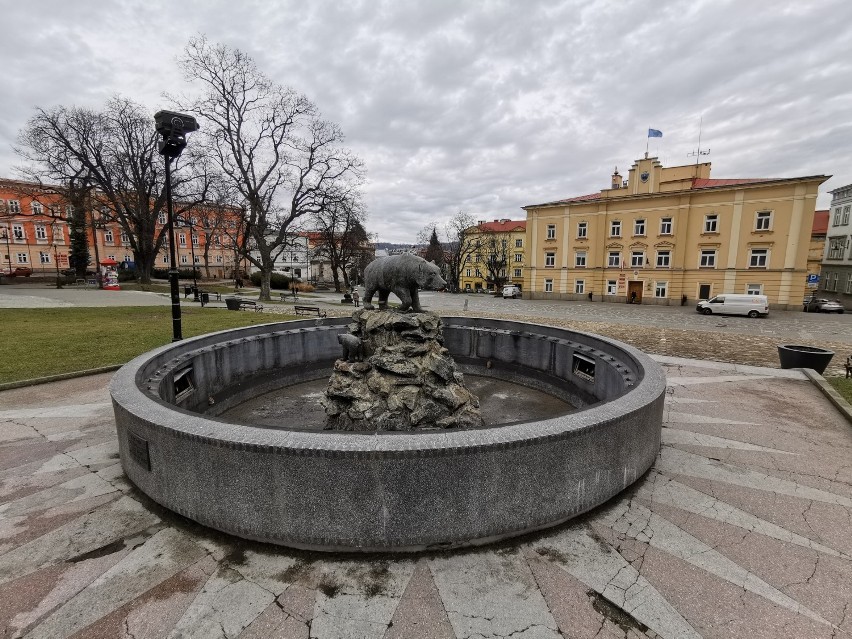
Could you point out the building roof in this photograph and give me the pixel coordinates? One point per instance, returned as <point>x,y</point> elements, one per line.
<point>820,226</point>
<point>697,184</point>
<point>503,226</point>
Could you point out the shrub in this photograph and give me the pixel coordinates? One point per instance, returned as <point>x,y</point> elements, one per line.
<point>277,281</point>
<point>184,274</point>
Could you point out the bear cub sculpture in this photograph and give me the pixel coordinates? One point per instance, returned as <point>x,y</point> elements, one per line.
<point>403,275</point>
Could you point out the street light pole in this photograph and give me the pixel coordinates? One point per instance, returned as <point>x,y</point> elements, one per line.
<point>5,236</point>
<point>173,127</point>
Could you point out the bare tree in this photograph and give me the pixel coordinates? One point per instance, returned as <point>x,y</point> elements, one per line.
<point>341,238</point>
<point>271,144</point>
<point>458,246</point>
<point>112,156</point>
<point>495,249</point>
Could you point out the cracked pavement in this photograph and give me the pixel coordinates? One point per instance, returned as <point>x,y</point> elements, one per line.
<point>741,528</point>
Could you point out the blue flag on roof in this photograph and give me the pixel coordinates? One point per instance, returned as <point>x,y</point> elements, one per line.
<point>653,133</point>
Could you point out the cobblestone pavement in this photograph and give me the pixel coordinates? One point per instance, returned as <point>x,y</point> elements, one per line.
<point>664,330</point>
<point>740,529</point>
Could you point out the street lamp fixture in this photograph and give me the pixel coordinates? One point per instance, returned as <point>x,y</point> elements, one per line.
<point>173,127</point>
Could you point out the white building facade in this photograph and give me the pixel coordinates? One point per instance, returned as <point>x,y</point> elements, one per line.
<point>836,277</point>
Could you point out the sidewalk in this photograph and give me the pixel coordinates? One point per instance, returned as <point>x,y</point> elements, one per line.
<point>741,529</point>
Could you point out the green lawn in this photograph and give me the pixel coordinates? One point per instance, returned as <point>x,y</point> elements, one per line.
<point>50,341</point>
<point>843,386</point>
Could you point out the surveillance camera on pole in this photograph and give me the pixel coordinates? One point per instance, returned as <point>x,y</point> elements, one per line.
<point>173,128</point>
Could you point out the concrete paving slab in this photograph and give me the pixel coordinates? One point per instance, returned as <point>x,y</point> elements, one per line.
<point>740,529</point>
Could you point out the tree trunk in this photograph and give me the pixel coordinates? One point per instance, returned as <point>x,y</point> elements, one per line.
<point>265,286</point>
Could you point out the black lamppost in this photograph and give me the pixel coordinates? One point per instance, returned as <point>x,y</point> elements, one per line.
<point>173,127</point>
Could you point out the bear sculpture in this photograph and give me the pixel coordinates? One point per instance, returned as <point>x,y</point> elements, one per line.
<point>353,349</point>
<point>403,275</point>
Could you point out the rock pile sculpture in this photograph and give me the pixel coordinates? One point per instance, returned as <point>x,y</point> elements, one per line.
<point>406,381</point>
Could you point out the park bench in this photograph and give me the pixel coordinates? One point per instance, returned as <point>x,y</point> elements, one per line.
<point>288,296</point>
<point>309,310</point>
<point>237,304</point>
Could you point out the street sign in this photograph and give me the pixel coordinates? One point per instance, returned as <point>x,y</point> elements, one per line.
<point>813,278</point>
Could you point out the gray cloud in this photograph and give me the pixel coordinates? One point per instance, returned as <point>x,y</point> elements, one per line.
<point>484,106</point>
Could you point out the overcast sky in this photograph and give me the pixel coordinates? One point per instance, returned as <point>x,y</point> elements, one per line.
<point>480,106</point>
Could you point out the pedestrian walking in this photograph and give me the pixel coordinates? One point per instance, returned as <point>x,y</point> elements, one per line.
<point>355,298</point>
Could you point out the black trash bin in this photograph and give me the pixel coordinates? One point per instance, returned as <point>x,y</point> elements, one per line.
<point>205,298</point>
<point>795,356</point>
<point>232,303</point>
<point>186,291</point>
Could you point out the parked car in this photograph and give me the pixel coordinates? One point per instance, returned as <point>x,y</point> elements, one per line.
<point>733,304</point>
<point>19,271</point>
<point>511,290</point>
<point>822,305</point>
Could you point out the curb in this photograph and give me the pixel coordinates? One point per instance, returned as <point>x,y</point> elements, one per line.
<point>828,390</point>
<point>57,378</point>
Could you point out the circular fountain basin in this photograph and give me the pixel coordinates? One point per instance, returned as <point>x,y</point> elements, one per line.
<point>387,491</point>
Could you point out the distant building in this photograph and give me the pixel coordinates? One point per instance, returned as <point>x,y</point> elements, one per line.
<point>817,245</point>
<point>836,278</point>
<point>507,240</point>
<point>34,232</point>
<point>668,233</point>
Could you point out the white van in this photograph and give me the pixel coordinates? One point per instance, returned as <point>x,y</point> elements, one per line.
<point>732,304</point>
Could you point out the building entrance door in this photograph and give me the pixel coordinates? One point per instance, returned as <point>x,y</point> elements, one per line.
<point>634,292</point>
<point>704,291</point>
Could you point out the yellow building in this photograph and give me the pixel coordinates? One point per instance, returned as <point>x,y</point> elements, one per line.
<point>668,233</point>
<point>502,243</point>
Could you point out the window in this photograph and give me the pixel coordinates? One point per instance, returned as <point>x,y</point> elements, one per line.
<point>41,232</point>
<point>615,228</point>
<point>195,240</point>
<point>580,259</point>
<point>835,222</point>
<point>165,259</point>
<point>217,241</point>
<point>836,248</point>
<point>478,273</point>
<point>637,259</point>
<point>639,227</point>
<point>44,257</point>
<point>18,232</point>
<point>614,259</point>
<point>711,223</point>
<point>125,239</point>
<point>15,207</point>
<point>551,231</point>
<point>37,208</point>
<point>519,257</point>
<point>708,258</point>
<point>754,289</point>
<point>661,289</point>
<point>23,258</point>
<point>519,243</point>
<point>582,230</point>
<point>517,272</point>
<point>467,272</point>
<point>830,281</point>
<point>181,239</point>
<point>611,287</point>
<point>184,259</point>
<point>197,259</point>
<point>579,286</point>
<point>846,210</point>
<point>69,211</point>
<point>664,259</point>
<point>161,218</point>
<point>757,258</point>
<point>110,257</point>
<point>108,237</point>
<point>549,260</point>
<point>666,226</point>
<point>763,221</point>
<point>849,284</point>
<point>548,286</point>
<point>127,259</point>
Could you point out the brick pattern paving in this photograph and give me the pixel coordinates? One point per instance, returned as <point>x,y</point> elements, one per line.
<point>740,529</point>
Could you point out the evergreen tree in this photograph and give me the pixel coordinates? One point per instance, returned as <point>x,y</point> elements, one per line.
<point>435,252</point>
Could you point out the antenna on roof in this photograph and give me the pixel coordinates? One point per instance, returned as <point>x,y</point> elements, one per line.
<point>697,154</point>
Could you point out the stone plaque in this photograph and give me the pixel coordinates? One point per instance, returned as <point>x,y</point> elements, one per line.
<point>138,448</point>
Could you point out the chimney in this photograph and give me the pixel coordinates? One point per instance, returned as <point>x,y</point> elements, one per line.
<point>616,179</point>
<point>480,222</point>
